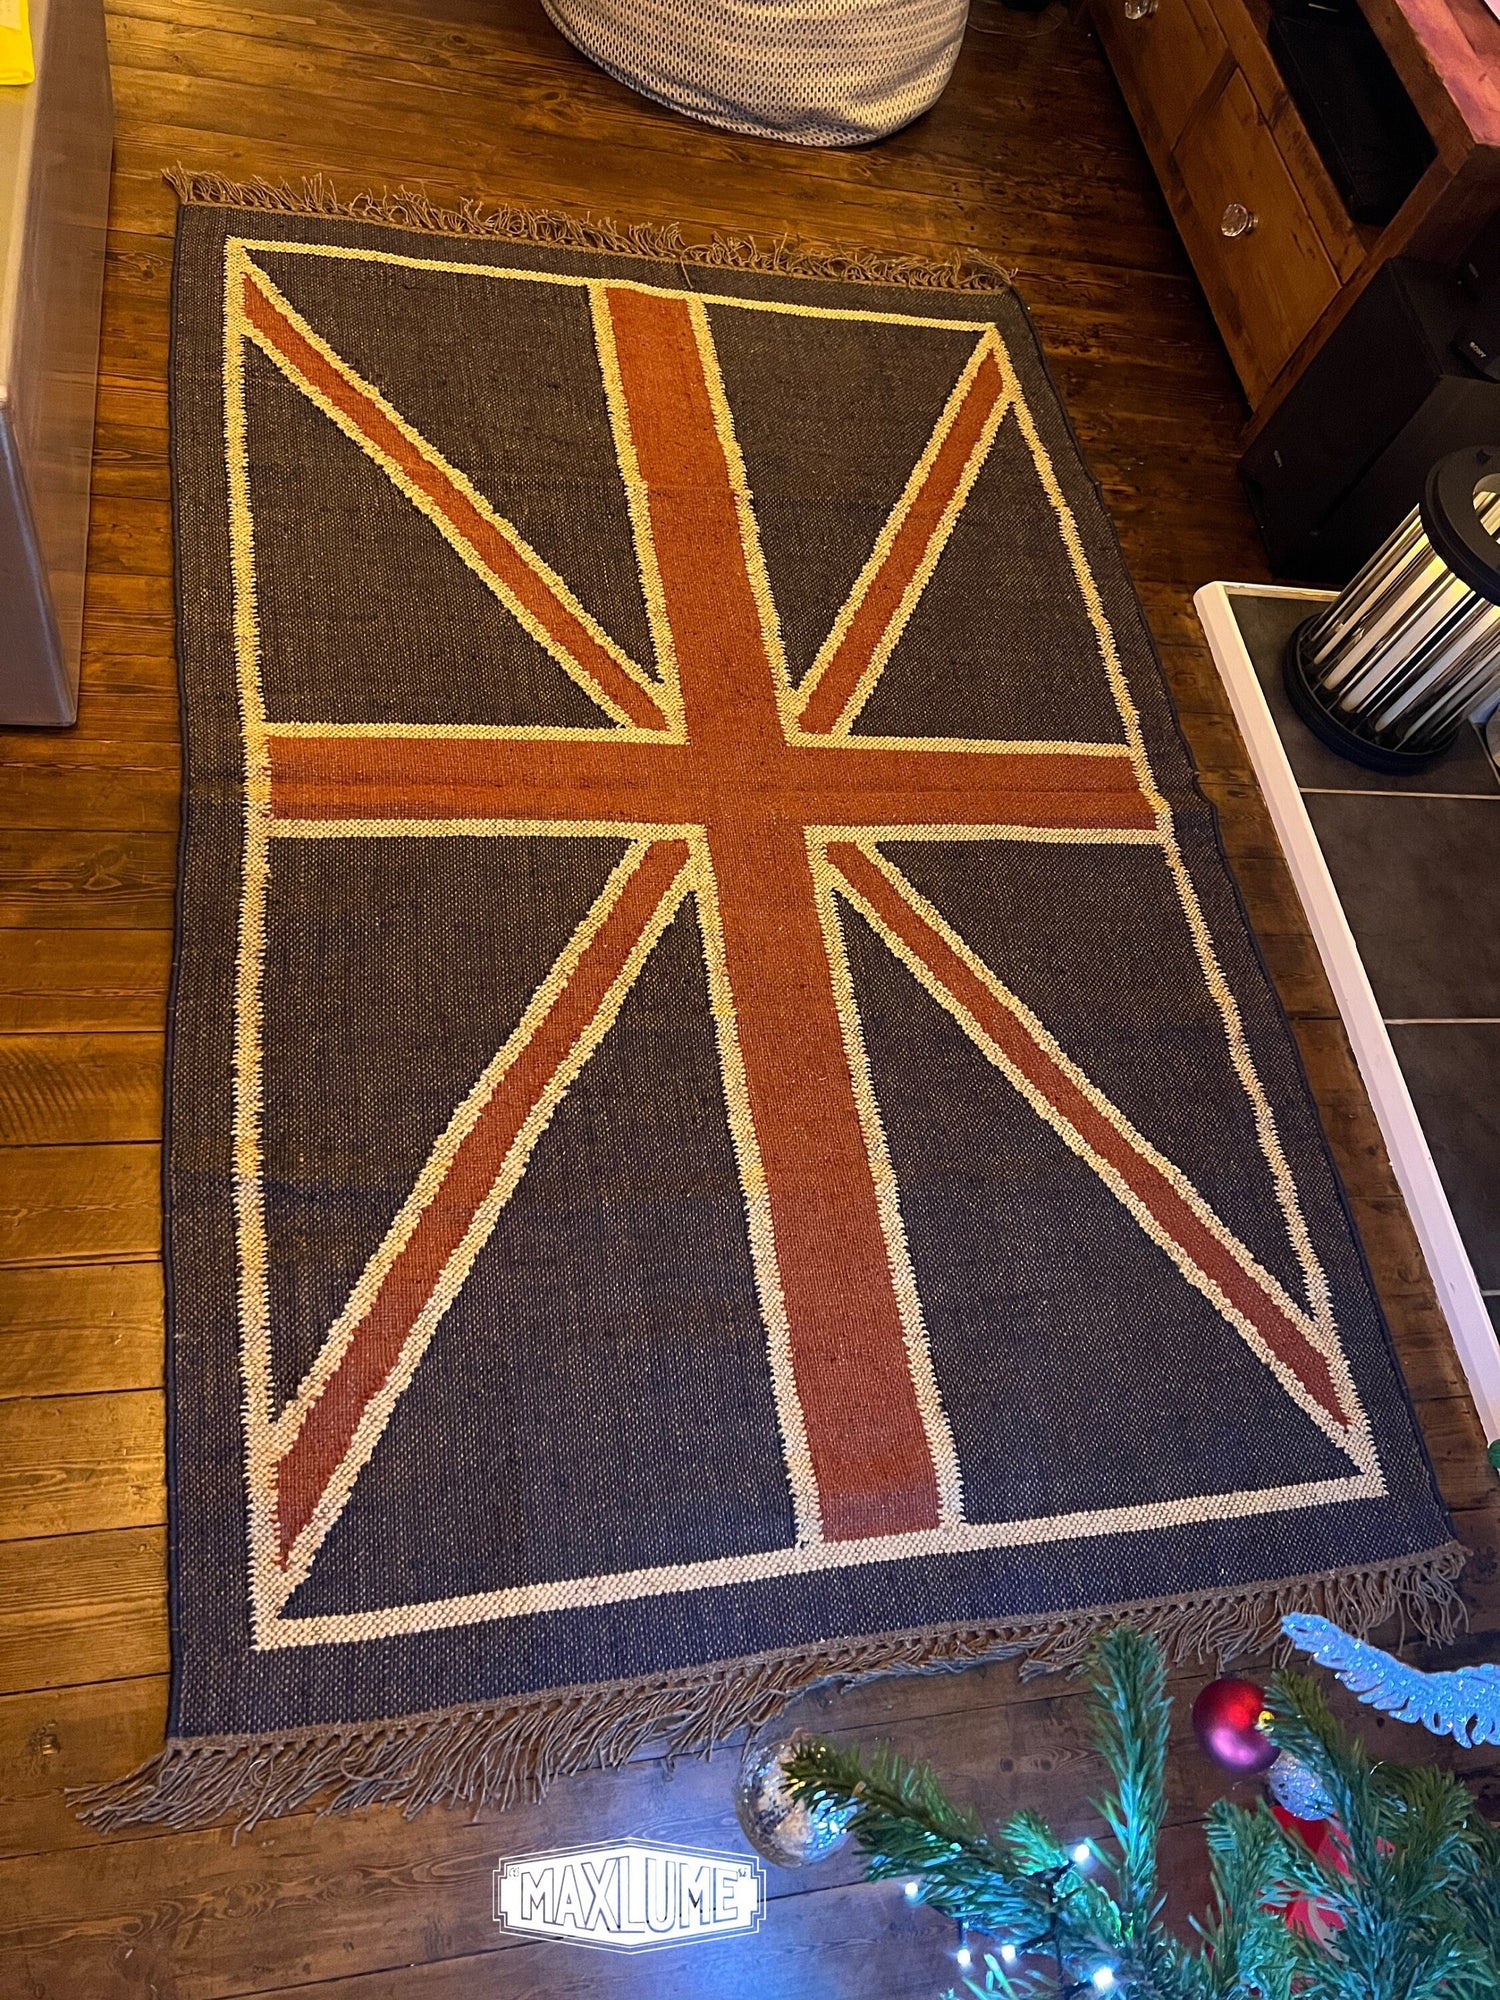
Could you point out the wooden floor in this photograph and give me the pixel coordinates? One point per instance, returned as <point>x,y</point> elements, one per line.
<point>1030,158</point>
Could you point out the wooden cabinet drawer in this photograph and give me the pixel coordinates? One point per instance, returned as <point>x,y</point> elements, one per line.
<point>1268,284</point>
<point>1165,59</point>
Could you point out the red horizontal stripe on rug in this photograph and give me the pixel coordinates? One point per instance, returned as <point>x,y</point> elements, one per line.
<point>677,784</point>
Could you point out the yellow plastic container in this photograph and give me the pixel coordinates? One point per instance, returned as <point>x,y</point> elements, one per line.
<point>16,65</point>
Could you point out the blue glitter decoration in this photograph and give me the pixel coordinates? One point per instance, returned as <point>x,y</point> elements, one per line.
<point>1463,1703</point>
<point>1297,1789</point>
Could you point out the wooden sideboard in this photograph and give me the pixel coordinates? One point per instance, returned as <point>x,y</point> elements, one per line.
<point>1278,255</point>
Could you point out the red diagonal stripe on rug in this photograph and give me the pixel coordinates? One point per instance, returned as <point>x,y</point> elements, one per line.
<point>1045,1074</point>
<point>896,573</point>
<point>328,1429</point>
<point>525,584</point>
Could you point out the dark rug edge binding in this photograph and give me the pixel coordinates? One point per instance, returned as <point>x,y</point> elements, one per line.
<point>499,1754</point>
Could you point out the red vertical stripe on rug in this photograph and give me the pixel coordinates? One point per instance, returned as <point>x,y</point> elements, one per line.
<point>870,1455</point>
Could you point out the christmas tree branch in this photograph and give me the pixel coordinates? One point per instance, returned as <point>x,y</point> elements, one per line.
<point>1131,1715</point>
<point>1248,1949</point>
<point>908,1826</point>
<point>1406,1894</point>
<point>1402,1904</point>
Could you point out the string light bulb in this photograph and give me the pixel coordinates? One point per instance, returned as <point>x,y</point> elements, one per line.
<point>1008,1953</point>
<point>1102,1978</point>
<point>1082,1854</point>
<point>963,1955</point>
<point>913,1890</point>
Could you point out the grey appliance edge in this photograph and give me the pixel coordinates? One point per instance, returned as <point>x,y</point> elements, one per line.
<point>56,140</point>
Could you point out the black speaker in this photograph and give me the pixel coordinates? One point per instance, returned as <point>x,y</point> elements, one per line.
<point>1479,267</point>
<point>1344,457</point>
<point>1478,340</point>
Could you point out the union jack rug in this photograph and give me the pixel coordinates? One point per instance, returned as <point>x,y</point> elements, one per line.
<point>726,1124</point>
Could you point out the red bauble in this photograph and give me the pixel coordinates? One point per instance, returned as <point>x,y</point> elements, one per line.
<point>1225,1719</point>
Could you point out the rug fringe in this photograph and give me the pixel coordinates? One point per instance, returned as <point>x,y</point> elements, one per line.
<point>411,208</point>
<point>502,1753</point>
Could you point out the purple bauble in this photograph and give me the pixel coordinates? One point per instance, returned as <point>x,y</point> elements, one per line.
<point>1226,1721</point>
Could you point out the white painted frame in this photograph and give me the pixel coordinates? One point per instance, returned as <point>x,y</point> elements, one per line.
<point>1453,1275</point>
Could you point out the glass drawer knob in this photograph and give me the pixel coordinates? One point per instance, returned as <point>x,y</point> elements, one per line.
<point>1237,220</point>
<point>1139,10</point>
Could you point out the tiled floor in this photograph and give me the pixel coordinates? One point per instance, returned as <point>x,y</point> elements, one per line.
<point>1416,862</point>
<point>1419,879</point>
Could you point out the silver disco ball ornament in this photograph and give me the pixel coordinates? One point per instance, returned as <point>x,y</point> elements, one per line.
<point>776,1825</point>
<point>1297,1789</point>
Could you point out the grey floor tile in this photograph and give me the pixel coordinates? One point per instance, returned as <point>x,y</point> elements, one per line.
<point>1419,879</point>
<point>1453,1074</point>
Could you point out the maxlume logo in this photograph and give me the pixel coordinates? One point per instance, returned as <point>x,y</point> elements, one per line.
<point>630,1895</point>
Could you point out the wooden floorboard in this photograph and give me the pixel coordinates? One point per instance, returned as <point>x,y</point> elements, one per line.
<point>1028,160</point>
<point>71,1330</point>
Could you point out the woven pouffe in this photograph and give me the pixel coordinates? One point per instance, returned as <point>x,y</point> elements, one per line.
<point>813,72</point>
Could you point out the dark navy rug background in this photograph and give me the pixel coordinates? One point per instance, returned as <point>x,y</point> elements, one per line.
<point>598,1398</point>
